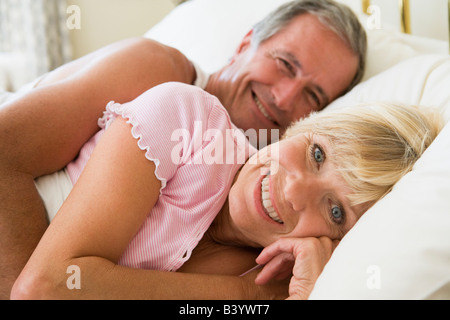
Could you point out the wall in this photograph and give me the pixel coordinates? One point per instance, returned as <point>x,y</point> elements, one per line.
<point>102,22</point>
<point>429,18</point>
<point>107,21</point>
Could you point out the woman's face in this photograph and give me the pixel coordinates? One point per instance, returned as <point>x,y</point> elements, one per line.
<point>291,189</point>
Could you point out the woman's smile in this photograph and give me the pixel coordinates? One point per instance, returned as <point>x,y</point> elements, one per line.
<point>268,201</point>
<point>264,200</point>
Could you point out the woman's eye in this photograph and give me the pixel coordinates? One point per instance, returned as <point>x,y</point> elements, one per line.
<point>318,154</point>
<point>337,214</point>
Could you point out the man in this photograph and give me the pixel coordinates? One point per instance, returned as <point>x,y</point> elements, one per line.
<point>296,61</point>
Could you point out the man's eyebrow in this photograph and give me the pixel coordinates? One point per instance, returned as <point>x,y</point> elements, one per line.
<point>325,99</point>
<point>292,58</point>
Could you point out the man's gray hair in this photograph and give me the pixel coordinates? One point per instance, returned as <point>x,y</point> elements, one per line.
<point>337,17</point>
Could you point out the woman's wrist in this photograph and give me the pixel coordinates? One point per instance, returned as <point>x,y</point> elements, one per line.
<point>273,290</point>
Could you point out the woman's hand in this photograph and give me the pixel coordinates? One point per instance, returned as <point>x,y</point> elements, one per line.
<point>304,258</point>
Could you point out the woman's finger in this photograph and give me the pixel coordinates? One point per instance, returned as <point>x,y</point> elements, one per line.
<point>279,267</point>
<point>284,245</point>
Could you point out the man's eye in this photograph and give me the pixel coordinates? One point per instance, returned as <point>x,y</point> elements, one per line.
<point>289,68</point>
<point>315,99</point>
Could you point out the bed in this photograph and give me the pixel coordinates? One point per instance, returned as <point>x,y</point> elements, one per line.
<point>400,249</point>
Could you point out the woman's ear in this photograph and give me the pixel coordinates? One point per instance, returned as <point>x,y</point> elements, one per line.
<point>245,44</point>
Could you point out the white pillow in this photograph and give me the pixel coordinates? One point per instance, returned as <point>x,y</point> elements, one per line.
<point>420,80</point>
<point>400,248</point>
<point>388,46</point>
<point>209,31</point>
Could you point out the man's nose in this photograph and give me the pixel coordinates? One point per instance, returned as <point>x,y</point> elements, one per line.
<point>287,93</point>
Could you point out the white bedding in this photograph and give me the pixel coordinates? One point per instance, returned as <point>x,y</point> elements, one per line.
<point>54,190</point>
<point>4,96</point>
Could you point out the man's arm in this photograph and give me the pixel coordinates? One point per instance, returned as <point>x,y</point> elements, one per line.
<point>43,130</point>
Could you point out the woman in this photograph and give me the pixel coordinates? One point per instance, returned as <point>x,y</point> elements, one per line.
<point>128,219</point>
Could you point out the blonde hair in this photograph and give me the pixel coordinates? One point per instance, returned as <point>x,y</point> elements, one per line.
<point>375,145</point>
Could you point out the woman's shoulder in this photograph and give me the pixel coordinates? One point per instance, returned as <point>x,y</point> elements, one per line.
<point>183,91</point>
<point>176,101</point>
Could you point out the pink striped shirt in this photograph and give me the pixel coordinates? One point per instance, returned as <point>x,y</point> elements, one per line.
<point>184,131</point>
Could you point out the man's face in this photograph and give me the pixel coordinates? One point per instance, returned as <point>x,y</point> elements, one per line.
<point>300,69</point>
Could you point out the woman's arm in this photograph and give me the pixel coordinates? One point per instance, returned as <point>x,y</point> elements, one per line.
<point>43,130</point>
<point>107,206</point>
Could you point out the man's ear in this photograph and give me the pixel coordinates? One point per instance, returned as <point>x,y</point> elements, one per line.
<point>245,44</point>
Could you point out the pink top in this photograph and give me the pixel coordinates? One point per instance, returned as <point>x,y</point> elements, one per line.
<point>185,131</point>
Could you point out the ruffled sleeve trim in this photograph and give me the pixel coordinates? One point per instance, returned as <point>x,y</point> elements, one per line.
<point>113,110</point>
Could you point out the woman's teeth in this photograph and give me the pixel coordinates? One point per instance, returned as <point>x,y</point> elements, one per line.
<point>267,203</point>
<point>262,109</point>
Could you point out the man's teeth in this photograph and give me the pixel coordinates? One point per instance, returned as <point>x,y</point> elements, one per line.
<point>267,204</point>
<point>262,109</point>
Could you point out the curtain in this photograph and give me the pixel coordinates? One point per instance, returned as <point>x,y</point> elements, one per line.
<point>36,31</point>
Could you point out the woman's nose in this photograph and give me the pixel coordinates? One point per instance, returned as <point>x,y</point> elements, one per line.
<point>301,190</point>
